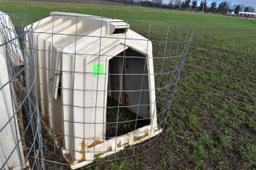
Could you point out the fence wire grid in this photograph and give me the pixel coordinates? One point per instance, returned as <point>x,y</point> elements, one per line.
<point>104,87</point>
<point>20,130</point>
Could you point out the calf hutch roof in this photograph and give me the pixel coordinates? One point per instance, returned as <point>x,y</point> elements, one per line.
<point>80,61</point>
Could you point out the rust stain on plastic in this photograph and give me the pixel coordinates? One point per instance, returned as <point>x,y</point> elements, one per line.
<point>136,138</point>
<point>82,151</point>
<point>119,145</point>
<point>157,129</point>
<point>94,143</point>
<point>101,153</point>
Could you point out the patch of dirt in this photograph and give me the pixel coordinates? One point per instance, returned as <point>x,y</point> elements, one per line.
<point>154,156</point>
<point>247,131</point>
<point>211,126</point>
<point>154,159</point>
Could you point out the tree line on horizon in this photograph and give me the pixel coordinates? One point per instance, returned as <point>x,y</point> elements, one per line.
<point>193,5</point>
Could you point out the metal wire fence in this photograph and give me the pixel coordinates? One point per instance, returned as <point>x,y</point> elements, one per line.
<point>105,85</point>
<point>102,86</point>
<point>20,130</point>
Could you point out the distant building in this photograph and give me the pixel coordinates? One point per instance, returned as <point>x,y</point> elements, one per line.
<point>247,14</point>
<point>231,13</point>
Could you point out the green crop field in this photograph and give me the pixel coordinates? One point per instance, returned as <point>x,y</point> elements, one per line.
<point>212,123</point>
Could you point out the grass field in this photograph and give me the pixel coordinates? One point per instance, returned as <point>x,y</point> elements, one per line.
<point>212,124</point>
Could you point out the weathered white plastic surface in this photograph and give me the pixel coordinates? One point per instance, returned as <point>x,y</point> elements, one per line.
<point>12,37</point>
<point>10,146</point>
<point>68,61</point>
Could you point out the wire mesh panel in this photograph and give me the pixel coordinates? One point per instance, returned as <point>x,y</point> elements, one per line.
<point>105,85</point>
<point>20,130</point>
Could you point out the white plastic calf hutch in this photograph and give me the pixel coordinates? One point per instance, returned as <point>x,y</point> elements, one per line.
<point>11,152</point>
<point>83,61</point>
